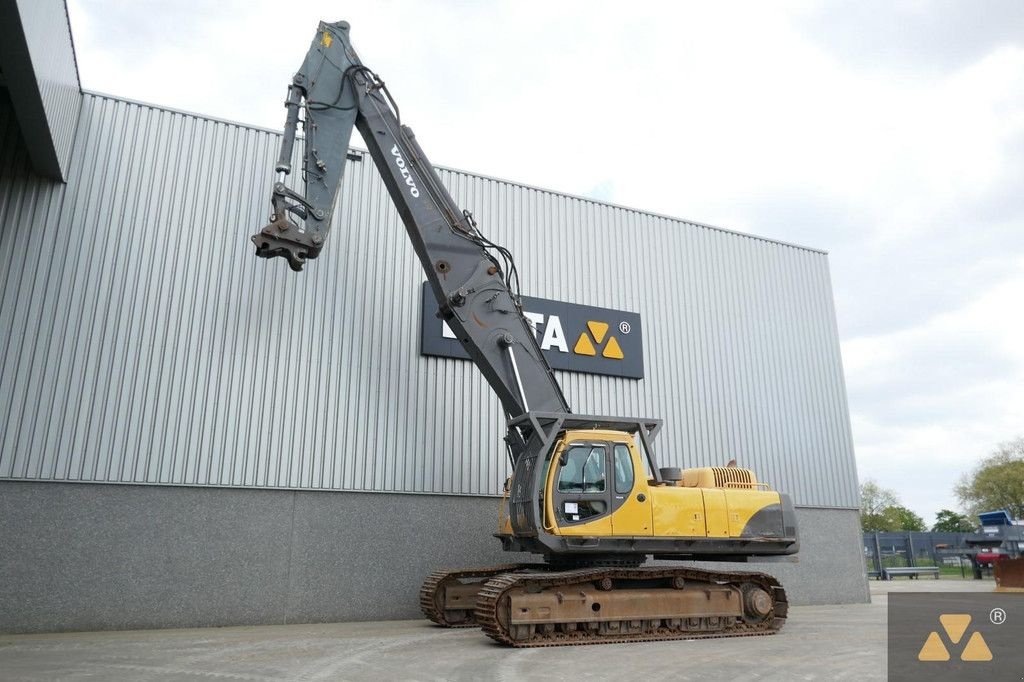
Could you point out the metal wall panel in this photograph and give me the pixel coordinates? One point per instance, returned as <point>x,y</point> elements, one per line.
<point>141,341</point>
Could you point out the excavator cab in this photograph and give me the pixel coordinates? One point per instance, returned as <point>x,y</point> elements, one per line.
<point>601,497</point>
<point>596,484</point>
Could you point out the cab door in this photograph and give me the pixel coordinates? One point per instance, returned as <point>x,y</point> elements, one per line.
<point>581,490</point>
<point>631,499</point>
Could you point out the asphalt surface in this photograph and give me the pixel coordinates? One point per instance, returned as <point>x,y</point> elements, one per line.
<point>817,643</point>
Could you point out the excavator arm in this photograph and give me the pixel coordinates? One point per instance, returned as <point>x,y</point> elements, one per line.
<point>474,279</point>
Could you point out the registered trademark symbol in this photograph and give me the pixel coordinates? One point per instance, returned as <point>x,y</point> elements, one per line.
<point>997,616</point>
<point>624,327</point>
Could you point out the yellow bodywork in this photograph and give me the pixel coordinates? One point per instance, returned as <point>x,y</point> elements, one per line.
<point>709,502</point>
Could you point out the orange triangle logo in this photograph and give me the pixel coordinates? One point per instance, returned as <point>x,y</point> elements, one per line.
<point>584,346</point>
<point>955,625</point>
<point>933,649</point>
<point>976,649</point>
<point>598,329</point>
<point>612,350</point>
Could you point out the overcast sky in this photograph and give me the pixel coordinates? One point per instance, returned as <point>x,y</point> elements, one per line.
<point>889,133</point>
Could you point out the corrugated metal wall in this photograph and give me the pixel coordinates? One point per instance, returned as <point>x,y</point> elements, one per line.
<point>143,343</point>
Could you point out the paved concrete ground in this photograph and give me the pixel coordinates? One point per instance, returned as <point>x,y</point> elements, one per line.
<point>818,643</point>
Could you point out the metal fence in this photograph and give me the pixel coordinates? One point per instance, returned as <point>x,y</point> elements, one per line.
<point>911,549</point>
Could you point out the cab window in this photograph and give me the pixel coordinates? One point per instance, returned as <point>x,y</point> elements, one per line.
<point>623,469</point>
<point>583,471</point>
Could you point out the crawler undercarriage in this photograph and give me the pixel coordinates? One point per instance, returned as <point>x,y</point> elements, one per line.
<point>528,605</point>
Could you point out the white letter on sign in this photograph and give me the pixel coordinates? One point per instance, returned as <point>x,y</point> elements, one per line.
<point>554,337</point>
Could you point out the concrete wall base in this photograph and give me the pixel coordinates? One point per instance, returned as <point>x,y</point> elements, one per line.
<point>110,557</point>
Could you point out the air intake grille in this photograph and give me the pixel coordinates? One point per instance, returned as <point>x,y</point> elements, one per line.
<point>732,477</point>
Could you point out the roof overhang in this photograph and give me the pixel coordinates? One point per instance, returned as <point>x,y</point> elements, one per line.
<point>37,66</point>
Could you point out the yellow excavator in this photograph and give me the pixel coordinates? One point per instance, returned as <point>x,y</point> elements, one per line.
<point>586,493</point>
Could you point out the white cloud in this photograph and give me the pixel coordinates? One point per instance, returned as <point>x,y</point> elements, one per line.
<point>920,421</point>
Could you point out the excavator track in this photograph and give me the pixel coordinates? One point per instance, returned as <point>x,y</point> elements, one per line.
<point>533,609</point>
<point>435,593</point>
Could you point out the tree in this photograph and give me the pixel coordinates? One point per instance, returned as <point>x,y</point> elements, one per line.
<point>880,510</point>
<point>901,518</point>
<point>874,498</point>
<point>948,521</point>
<point>997,482</point>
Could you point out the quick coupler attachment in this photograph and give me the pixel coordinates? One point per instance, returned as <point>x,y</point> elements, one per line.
<point>283,238</point>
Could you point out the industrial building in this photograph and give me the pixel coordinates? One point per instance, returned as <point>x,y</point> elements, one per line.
<point>167,458</point>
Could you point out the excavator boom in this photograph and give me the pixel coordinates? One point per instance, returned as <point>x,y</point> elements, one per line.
<point>474,279</point>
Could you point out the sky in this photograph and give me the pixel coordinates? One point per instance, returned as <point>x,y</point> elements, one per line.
<point>887,132</point>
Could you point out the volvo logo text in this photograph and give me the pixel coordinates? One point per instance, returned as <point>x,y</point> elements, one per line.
<point>400,162</point>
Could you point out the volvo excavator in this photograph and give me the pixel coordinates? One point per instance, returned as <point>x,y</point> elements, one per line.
<point>586,493</point>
